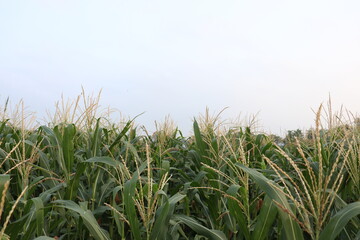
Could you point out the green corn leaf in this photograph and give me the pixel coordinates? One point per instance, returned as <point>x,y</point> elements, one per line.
<point>130,210</point>
<point>129,194</point>
<point>74,182</point>
<point>54,138</point>
<point>163,215</point>
<point>96,139</point>
<point>39,213</point>
<point>237,212</point>
<point>46,194</point>
<point>265,219</point>
<point>338,222</point>
<point>291,227</point>
<point>205,208</point>
<point>160,226</point>
<point>106,160</point>
<point>200,229</point>
<point>200,144</point>
<point>68,146</point>
<point>122,134</point>
<point>89,220</point>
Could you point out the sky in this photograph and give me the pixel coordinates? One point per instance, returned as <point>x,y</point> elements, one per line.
<point>276,59</point>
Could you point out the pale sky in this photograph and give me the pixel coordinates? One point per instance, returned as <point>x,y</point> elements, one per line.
<point>276,58</point>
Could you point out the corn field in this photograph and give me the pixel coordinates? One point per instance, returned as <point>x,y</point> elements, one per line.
<point>81,176</point>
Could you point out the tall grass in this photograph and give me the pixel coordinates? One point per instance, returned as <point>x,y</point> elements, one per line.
<point>81,176</point>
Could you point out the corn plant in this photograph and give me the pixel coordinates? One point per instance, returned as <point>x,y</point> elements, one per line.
<point>82,176</point>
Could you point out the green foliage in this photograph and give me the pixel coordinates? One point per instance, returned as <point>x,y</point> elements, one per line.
<point>91,180</point>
